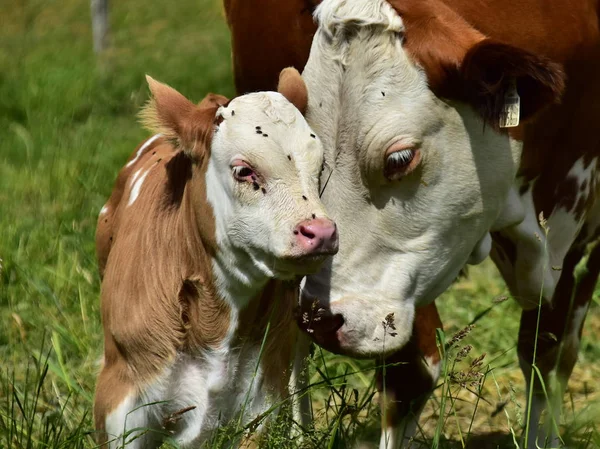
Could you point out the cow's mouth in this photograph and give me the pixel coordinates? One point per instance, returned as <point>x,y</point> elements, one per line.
<point>357,327</point>
<point>320,324</point>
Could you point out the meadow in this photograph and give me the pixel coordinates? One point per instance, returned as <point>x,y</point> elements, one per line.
<point>67,124</point>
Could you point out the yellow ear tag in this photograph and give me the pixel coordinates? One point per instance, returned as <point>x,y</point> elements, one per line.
<point>511,111</point>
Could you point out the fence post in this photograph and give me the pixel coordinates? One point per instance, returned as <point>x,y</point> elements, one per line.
<point>100,24</point>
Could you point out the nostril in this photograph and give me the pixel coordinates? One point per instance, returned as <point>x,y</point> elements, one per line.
<point>306,232</point>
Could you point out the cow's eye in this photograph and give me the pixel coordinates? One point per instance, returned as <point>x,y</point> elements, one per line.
<point>401,162</point>
<point>243,173</point>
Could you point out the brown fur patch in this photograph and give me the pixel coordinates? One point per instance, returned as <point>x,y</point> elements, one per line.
<point>261,46</point>
<point>105,226</point>
<point>275,305</point>
<point>158,297</point>
<point>462,64</point>
<point>437,38</point>
<point>488,68</point>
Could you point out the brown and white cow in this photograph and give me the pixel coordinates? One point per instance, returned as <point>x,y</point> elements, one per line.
<point>203,218</point>
<point>407,98</point>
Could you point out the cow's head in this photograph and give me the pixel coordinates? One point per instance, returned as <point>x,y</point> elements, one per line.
<point>407,101</point>
<point>255,173</point>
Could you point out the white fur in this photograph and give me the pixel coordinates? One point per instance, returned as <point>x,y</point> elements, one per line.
<point>254,229</point>
<point>104,210</point>
<point>142,148</point>
<point>130,414</point>
<point>136,185</point>
<point>416,234</point>
<point>563,224</point>
<point>532,273</point>
<point>218,384</point>
<point>540,257</point>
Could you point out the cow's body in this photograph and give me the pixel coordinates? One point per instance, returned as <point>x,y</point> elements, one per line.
<point>557,174</point>
<point>197,331</point>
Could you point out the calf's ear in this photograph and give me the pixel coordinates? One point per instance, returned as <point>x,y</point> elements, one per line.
<point>291,86</point>
<point>213,100</point>
<point>188,126</point>
<point>490,69</point>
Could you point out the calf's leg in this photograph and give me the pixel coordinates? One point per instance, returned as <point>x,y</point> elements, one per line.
<point>118,409</point>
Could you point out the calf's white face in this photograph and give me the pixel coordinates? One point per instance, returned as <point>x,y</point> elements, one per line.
<point>262,182</point>
<point>256,162</point>
<point>414,183</point>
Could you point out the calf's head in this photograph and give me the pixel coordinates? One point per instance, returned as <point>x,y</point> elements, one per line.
<point>406,98</point>
<point>256,164</point>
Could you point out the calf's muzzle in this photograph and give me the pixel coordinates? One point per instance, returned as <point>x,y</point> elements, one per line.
<point>317,236</point>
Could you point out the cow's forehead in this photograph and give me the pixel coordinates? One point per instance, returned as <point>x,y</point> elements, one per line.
<point>336,17</point>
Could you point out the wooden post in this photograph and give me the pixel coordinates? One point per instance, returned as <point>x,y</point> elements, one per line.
<point>100,24</point>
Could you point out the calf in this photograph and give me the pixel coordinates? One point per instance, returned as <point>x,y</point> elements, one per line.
<point>203,217</point>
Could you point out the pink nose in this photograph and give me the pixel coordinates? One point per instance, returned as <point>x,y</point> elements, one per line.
<point>317,236</point>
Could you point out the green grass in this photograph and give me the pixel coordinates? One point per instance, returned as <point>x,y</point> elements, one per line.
<point>67,124</point>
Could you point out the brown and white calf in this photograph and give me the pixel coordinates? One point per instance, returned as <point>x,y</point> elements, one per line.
<point>407,97</point>
<point>203,218</point>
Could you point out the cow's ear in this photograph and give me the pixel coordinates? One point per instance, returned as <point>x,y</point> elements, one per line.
<point>490,70</point>
<point>291,86</point>
<point>187,125</point>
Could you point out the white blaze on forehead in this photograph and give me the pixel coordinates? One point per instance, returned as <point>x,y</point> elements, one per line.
<point>142,148</point>
<point>333,14</point>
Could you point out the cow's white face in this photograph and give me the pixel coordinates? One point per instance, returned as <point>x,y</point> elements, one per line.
<point>262,183</point>
<point>414,183</point>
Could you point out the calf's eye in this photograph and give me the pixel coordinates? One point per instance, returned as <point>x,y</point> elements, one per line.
<point>243,173</point>
<point>399,162</point>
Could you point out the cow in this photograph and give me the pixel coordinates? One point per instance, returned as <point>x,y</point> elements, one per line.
<point>456,129</point>
<point>199,246</point>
